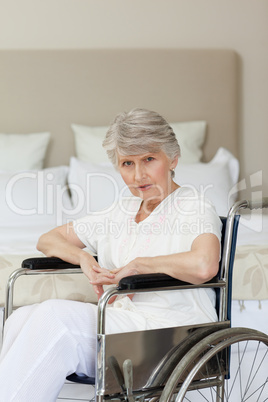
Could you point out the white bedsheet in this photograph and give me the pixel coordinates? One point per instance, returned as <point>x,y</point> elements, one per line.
<point>253,228</point>
<point>250,314</point>
<point>21,240</point>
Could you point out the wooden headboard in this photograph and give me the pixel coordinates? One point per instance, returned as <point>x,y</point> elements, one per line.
<point>48,90</point>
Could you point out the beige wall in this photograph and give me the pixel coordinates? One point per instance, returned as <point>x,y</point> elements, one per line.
<point>237,24</point>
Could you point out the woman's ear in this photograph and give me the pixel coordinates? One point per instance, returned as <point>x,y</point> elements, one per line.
<point>174,162</point>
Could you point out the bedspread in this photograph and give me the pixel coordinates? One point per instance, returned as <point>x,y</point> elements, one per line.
<point>36,288</point>
<point>250,277</point>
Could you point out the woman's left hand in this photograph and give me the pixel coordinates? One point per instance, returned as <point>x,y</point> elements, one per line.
<point>134,267</point>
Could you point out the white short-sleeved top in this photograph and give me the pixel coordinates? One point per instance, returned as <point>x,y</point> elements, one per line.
<point>171,228</point>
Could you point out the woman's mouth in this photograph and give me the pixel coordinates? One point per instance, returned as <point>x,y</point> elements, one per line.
<point>144,187</point>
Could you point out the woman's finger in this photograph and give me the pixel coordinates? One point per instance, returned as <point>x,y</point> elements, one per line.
<point>115,271</point>
<point>102,281</point>
<point>103,271</point>
<point>97,268</point>
<point>98,289</point>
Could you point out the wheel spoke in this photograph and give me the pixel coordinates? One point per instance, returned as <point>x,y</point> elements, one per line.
<point>203,395</point>
<point>238,371</point>
<point>256,372</point>
<point>261,387</point>
<point>252,366</point>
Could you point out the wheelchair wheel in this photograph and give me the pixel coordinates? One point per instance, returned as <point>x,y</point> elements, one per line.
<point>203,373</point>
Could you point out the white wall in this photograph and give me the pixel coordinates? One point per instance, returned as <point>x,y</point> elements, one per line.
<point>241,25</point>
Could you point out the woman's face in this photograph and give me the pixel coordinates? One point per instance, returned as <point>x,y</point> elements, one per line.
<point>148,175</point>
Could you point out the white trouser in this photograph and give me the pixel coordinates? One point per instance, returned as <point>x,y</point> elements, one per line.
<point>46,342</point>
<point>43,344</point>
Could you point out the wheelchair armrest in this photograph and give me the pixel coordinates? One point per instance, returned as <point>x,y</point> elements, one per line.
<point>46,263</point>
<point>150,281</point>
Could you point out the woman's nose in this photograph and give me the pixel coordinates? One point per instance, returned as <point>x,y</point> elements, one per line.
<point>139,172</point>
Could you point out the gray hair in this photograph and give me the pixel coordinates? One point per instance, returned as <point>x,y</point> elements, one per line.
<point>140,131</point>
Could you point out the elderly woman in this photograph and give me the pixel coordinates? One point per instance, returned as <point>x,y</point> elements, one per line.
<point>163,228</point>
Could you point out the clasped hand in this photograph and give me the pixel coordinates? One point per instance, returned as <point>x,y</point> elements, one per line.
<point>99,276</point>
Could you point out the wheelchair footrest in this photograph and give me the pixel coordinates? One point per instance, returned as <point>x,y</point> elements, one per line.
<point>81,379</point>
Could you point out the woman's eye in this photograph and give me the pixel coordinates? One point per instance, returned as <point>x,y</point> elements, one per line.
<point>127,163</point>
<point>149,159</point>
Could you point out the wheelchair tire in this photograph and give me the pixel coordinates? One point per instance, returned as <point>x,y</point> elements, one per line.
<point>248,369</point>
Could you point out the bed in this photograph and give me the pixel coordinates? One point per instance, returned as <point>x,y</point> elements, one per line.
<point>55,107</point>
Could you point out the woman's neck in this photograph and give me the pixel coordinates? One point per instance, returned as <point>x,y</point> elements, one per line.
<point>147,207</point>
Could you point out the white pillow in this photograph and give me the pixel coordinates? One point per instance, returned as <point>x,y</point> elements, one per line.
<point>94,187</point>
<point>23,151</point>
<point>214,179</point>
<point>88,143</point>
<point>32,198</point>
<point>190,136</point>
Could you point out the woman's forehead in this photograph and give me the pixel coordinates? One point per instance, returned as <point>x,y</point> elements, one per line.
<point>138,156</point>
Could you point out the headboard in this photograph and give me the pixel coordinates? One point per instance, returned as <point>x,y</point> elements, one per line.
<point>48,90</point>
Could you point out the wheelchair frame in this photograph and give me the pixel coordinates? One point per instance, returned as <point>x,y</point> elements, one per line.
<point>120,370</point>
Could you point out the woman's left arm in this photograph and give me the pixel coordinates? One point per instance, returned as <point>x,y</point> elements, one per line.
<point>196,266</point>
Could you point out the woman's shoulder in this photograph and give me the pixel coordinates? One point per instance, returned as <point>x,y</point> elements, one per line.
<point>188,195</point>
<point>195,209</point>
<point>188,192</point>
<point>188,198</point>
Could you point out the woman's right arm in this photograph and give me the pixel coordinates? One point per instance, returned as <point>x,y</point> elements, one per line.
<point>62,242</point>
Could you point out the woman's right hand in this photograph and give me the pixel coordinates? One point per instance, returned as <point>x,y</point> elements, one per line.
<point>94,272</point>
<point>62,242</point>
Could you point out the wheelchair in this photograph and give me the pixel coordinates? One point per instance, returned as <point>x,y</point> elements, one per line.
<point>187,363</point>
